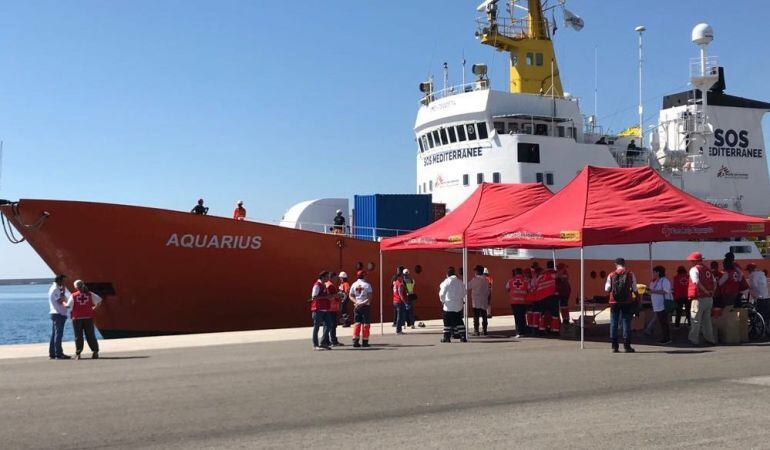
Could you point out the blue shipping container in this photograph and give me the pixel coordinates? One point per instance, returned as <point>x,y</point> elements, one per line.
<point>383,215</point>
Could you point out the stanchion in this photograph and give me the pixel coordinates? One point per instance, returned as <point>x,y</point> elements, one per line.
<point>465,288</point>
<point>582,301</point>
<point>382,321</point>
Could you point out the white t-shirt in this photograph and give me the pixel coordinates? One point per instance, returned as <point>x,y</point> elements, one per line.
<point>54,297</point>
<point>479,287</point>
<point>361,291</point>
<point>451,292</point>
<point>757,284</point>
<point>658,300</point>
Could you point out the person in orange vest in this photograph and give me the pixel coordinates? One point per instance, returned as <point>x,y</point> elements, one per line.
<point>361,295</point>
<point>621,285</point>
<point>700,291</point>
<point>533,306</point>
<point>399,302</point>
<point>547,303</point>
<point>517,288</point>
<point>344,289</point>
<point>83,302</point>
<point>730,284</point>
<point>239,213</point>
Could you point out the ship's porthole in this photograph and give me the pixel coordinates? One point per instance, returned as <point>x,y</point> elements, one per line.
<point>603,274</point>
<point>359,265</point>
<point>369,266</point>
<point>418,269</point>
<point>593,274</point>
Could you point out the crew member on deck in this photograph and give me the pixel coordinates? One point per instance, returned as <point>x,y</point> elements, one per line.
<point>199,209</point>
<point>339,223</point>
<point>239,213</point>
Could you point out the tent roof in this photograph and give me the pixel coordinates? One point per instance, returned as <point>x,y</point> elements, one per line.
<point>616,206</point>
<point>490,204</point>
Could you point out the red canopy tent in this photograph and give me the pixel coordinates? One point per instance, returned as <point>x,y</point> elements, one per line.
<point>616,206</point>
<point>489,205</point>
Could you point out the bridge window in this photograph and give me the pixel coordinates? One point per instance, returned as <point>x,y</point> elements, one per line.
<point>425,143</point>
<point>461,133</point>
<point>538,59</point>
<point>435,138</point>
<point>482,127</point>
<point>471,130</point>
<point>560,131</point>
<point>549,178</point>
<point>539,177</point>
<point>527,128</point>
<point>541,129</point>
<point>479,178</point>
<point>496,177</point>
<point>499,127</point>
<point>529,59</point>
<point>444,139</point>
<point>514,58</point>
<point>528,153</point>
<point>430,140</point>
<point>466,182</point>
<point>419,144</point>
<point>513,127</point>
<point>452,134</point>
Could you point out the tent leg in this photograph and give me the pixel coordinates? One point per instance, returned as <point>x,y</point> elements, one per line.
<point>382,320</point>
<point>582,300</point>
<point>649,249</point>
<point>465,289</point>
<point>553,257</point>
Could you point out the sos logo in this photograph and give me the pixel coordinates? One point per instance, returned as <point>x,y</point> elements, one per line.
<point>731,137</point>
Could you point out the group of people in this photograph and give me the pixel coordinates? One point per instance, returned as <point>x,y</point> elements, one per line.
<point>79,306</point>
<point>330,294</point>
<point>697,294</point>
<point>538,298</point>
<point>404,299</point>
<point>239,213</point>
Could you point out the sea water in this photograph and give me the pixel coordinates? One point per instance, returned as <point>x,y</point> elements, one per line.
<point>24,315</point>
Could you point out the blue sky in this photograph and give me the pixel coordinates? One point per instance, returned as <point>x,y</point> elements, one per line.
<point>158,103</point>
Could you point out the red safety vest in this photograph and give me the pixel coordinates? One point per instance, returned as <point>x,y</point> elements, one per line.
<point>82,305</point>
<point>398,287</point>
<point>318,303</point>
<point>733,284</point>
<point>517,290</point>
<point>545,286</point>
<point>680,285</point>
<point>334,302</point>
<point>239,213</point>
<point>629,281</point>
<point>706,279</point>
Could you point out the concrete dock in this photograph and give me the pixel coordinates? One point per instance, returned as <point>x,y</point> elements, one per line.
<point>268,389</point>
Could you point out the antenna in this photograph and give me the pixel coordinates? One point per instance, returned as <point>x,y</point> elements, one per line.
<point>463,88</point>
<point>640,29</point>
<point>446,76</point>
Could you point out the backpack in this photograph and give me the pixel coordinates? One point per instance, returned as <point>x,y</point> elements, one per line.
<point>620,291</point>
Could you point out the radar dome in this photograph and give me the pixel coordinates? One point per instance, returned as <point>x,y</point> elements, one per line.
<point>702,34</point>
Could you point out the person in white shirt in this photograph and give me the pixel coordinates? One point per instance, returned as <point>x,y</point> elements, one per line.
<point>361,296</point>
<point>660,291</point>
<point>452,295</point>
<point>57,297</point>
<point>757,283</point>
<point>478,288</point>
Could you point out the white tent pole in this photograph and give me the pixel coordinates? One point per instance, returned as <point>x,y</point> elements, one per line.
<point>382,321</point>
<point>582,300</point>
<point>650,255</point>
<point>553,257</point>
<point>465,288</point>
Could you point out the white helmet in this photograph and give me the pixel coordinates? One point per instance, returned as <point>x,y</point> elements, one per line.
<point>339,211</point>
<point>343,275</point>
<point>486,271</point>
<point>406,272</point>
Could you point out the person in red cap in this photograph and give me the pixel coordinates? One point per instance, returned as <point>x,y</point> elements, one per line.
<point>701,291</point>
<point>361,296</point>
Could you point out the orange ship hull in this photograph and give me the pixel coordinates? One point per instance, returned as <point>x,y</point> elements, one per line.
<point>169,272</point>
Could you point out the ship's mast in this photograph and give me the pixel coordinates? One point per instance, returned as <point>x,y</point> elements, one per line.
<point>528,42</point>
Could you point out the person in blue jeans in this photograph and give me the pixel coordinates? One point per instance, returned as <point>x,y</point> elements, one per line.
<point>57,296</point>
<point>399,302</point>
<point>621,285</point>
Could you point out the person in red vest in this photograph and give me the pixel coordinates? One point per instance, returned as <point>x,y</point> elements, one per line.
<point>239,213</point>
<point>730,284</point>
<point>83,303</point>
<point>621,285</point>
<point>319,310</point>
<point>681,281</point>
<point>700,291</point>
<point>399,302</point>
<point>334,309</point>
<point>544,292</point>
<point>517,288</point>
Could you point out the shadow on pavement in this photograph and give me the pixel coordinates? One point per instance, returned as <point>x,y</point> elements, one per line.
<point>116,357</point>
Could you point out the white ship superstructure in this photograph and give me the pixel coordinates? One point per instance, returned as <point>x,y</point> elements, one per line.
<point>535,132</point>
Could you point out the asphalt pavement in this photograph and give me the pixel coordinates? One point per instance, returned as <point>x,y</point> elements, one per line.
<point>408,391</point>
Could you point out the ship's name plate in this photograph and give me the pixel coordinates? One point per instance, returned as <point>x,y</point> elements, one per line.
<point>450,155</point>
<point>224,241</point>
